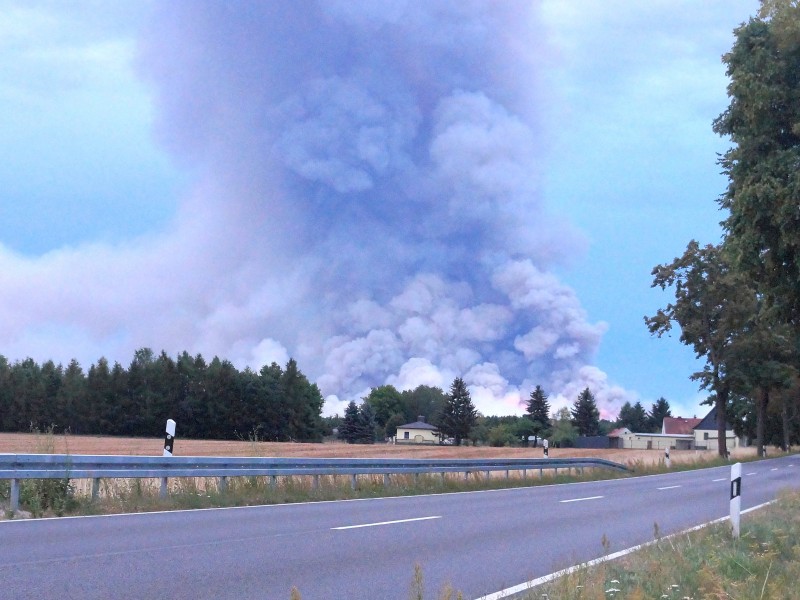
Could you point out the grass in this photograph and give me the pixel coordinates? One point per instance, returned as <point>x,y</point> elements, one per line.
<point>764,563</point>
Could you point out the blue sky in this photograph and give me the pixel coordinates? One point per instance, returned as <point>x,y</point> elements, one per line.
<point>387,192</point>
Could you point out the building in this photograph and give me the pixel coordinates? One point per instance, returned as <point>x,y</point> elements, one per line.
<point>418,432</point>
<point>706,436</point>
<point>677,433</point>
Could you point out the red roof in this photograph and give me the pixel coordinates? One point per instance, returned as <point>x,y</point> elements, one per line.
<point>679,425</point>
<point>619,432</point>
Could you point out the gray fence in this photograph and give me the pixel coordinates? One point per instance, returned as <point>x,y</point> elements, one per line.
<point>18,467</point>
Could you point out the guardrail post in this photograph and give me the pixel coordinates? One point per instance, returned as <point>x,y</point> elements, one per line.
<point>95,488</point>
<point>466,475</point>
<point>162,493</point>
<point>14,500</point>
<point>386,480</point>
<point>223,484</point>
<point>353,482</point>
<point>316,482</point>
<point>273,482</point>
<point>524,474</point>
<point>488,475</point>
<point>508,475</point>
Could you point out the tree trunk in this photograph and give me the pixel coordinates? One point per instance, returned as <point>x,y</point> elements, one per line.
<point>761,419</point>
<point>785,422</point>
<point>722,421</point>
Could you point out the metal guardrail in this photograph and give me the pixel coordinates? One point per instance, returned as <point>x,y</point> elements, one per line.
<point>17,467</point>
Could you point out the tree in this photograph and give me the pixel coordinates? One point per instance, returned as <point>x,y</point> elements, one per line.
<point>658,412</point>
<point>349,429</point>
<point>585,416</point>
<point>563,433</point>
<point>763,123</point>
<point>634,417</point>
<point>423,400</point>
<point>458,414</point>
<point>539,411</point>
<point>386,401</point>
<point>713,304</point>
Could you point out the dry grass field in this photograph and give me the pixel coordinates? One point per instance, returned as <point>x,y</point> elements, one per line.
<point>25,443</point>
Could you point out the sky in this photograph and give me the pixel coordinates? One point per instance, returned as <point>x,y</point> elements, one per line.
<point>390,192</point>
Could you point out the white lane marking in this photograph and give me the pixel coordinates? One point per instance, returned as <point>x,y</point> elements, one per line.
<point>528,585</point>
<point>384,523</point>
<point>670,487</point>
<point>753,473</point>
<point>581,499</point>
<point>774,469</point>
<point>721,479</point>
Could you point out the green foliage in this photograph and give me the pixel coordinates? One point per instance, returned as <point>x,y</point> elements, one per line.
<point>585,415</point>
<point>563,433</point>
<point>207,401</point>
<point>358,426</point>
<point>458,415</point>
<point>501,435</point>
<point>634,418</point>
<point>423,400</point>
<point>539,412</point>
<point>385,401</point>
<point>657,413</point>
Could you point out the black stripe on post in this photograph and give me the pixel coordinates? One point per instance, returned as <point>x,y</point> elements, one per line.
<point>736,488</point>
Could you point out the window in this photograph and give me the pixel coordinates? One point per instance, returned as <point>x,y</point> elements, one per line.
<point>406,435</point>
<point>705,435</point>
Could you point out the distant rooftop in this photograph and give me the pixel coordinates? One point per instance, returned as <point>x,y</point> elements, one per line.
<point>679,425</point>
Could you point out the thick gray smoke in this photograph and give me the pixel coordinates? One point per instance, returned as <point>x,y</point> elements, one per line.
<point>367,181</point>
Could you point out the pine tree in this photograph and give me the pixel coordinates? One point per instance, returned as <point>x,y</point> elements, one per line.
<point>585,415</point>
<point>458,415</point>
<point>539,412</point>
<point>349,429</point>
<point>657,413</point>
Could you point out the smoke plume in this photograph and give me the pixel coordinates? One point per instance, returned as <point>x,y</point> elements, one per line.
<point>365,198</point>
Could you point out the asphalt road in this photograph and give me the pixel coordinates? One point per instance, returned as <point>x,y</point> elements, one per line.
<point>479,542</point>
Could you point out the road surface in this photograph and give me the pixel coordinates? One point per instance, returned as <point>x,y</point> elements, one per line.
<point>479,542</point>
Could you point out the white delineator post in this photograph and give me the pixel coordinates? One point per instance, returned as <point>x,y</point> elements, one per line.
<point>736,497</point>
<point>169,440</point>
<point>546,447</point>
<point>666,458</point>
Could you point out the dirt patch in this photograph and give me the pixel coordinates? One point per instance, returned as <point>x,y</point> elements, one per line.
<point>25,443</point>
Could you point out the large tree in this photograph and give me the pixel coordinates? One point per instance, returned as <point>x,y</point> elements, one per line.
<point>713,305</point>
<point>763,124</point>
<point>458,414</point>
<point>585,416</point>
<point>539,412</point>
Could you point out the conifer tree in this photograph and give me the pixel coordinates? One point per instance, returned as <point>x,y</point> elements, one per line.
<point>585,415</point>
<point>458,415</point>
<point>539,412</point>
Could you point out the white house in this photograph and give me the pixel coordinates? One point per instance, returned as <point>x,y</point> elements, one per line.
<point>418,432</point>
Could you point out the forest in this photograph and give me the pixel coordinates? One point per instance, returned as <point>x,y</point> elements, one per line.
<point>207,400</point>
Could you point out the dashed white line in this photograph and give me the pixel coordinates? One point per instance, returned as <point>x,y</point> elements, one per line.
<point>753,473</point>
<point>721,479</point>
<point>581,499</point>
<point>775,469</point>
<point>385,523</point>
<point>670,487</point>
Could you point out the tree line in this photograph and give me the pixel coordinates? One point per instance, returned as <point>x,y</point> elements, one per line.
<point>385,408</point>
<point>737,303</point>
<point>207,400</point>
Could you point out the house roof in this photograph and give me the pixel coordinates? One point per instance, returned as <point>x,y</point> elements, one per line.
<point>709,422</point>
<point>418,425</point>
<point>680,425</point>
<point>619,432</point>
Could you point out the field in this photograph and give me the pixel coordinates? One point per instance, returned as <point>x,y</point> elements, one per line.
<point>26,443</point>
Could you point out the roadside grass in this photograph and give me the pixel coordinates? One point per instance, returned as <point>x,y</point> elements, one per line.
<point>764,563</point>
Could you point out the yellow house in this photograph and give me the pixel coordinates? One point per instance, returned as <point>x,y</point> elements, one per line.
<point>418,432</point>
